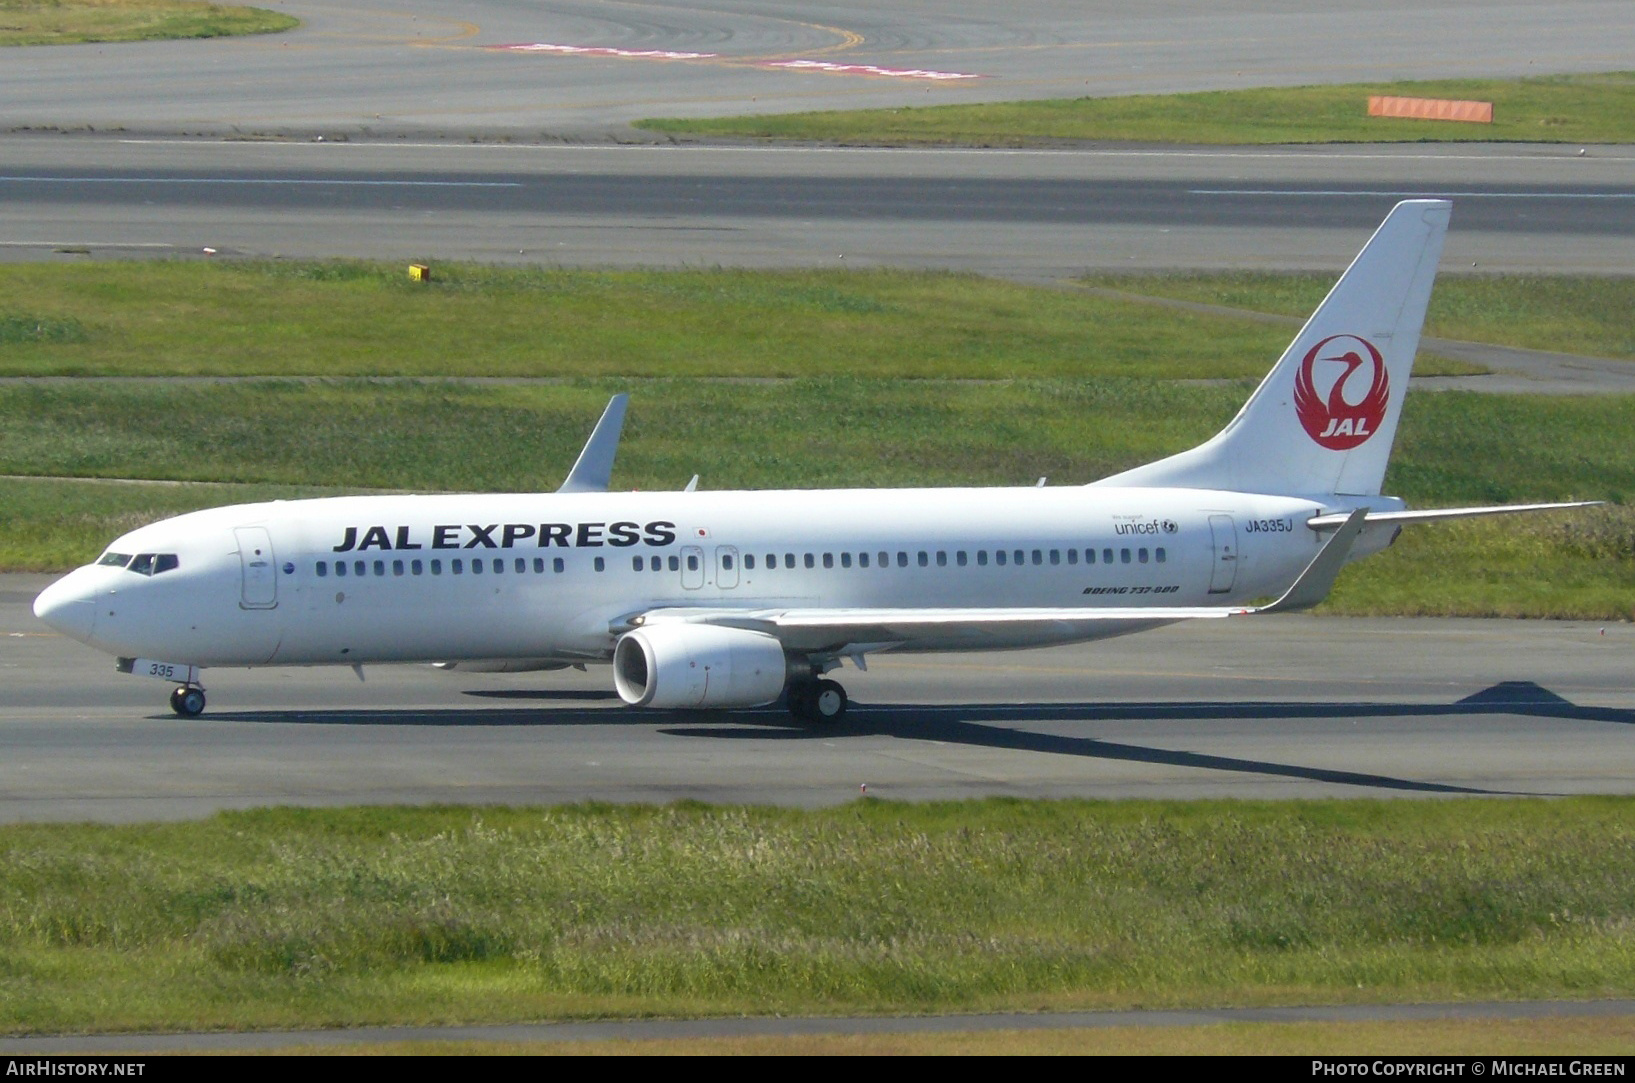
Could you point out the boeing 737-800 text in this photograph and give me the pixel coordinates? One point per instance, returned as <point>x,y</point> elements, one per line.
<point>733,599</point>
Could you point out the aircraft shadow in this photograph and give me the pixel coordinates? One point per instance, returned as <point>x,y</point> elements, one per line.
<point>542,693</point>
<point>984,725</point>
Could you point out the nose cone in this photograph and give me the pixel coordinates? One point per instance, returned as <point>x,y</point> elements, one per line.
<point>68,606</point>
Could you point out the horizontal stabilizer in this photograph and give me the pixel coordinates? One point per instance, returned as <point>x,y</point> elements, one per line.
<point>1430,515</point>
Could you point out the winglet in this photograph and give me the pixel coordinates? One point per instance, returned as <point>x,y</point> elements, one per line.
<point>594,468</point>
<point>1318,578</point>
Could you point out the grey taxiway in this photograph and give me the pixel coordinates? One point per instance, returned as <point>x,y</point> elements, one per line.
<point>1258,708</point>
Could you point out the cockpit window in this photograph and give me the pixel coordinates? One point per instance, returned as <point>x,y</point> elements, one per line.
<point>152,563</point>
<point>115,560</point>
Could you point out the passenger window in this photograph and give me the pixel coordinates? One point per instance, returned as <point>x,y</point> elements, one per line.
<point>1123,556</point>
<point>539,565</point>
<point>635,564</point>
<point>789,560</point>
<point>885,560</point>
<point>416,567</point>
<point>828,560</point>
<point>845,560</point>
<point>749,562</point>
<point>999,557</point>
<point>942,558</point>
<point>810,563</point>
<point>359,568</point>
<point>675,564</point>
<point>1038,557</point>
<point>437,567</point>
<point>397,567</point>
<point>902,559</point>
<point>1106,556</point>
<point>380,568</point>
<point>922,559</point>
<point>1072,556</point>
<point>981,558</point>
<point>1141,554</point>
<point>476,566</point>
<point>323,569</point>
<point>522,565</point>
<point>456,566</point>
<point>499,565</point>
<point>1055,556</point>
<point>692,562</point>
<point>340,568</point>
<point>959,558</point>
<point>1160,554</point>
<point>726,561</point>
<point>862,560</point>
<point>559,565</point>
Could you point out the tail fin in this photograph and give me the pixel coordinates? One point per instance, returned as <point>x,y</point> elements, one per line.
<point>1322,422</point>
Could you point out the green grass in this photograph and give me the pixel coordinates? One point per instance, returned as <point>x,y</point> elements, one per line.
<point>1547,109</point>
<point>68,22</point>
<point>338,319</point>
<point>1605,1036</point>
<point>1576,314</point>
<point>282,918</point>
<point>330,319</point>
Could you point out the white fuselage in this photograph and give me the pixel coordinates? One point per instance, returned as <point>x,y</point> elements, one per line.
<point>547,577</point>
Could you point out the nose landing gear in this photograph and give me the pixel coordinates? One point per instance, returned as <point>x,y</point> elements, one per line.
<point>187,700</point>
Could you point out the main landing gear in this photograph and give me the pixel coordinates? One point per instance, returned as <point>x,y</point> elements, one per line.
<point>187,700</point>
<point>821,701</point>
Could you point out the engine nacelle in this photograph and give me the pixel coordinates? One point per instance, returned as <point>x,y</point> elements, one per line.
<point>698,665</point>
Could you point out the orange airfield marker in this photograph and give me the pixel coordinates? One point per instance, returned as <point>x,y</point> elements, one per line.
<point>1431,109</point>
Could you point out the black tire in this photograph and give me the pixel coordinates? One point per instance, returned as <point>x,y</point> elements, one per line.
<point>800,695</point>
<point>187,702</point>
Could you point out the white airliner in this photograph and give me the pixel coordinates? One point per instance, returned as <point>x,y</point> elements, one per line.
<point>733,599</point>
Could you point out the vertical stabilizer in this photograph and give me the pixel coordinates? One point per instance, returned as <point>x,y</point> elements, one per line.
<point>1323,421</point>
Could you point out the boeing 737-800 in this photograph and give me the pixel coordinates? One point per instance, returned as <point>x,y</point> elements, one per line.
<point>733,599</point>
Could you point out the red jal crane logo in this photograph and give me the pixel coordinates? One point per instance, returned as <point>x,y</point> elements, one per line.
<point>1335,423</point>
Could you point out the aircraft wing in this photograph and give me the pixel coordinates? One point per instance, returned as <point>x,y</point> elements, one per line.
<point>845,631</point>
<point>593,470</point>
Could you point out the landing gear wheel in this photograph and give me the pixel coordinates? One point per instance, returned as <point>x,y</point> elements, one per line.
<point>817,701</point>
<point>828,702</point>
<point>187,701</point>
